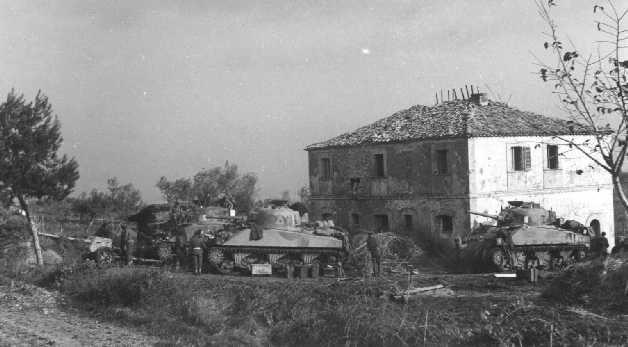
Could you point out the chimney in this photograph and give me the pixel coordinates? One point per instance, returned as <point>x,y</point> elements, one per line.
<point>479,99</point>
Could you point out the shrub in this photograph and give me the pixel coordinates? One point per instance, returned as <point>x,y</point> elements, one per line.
<point>574,285</point>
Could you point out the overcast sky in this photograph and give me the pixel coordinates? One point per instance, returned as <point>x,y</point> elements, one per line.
<point>146,89</point>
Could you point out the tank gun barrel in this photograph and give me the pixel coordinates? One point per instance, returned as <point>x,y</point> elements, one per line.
<point>492,216</point>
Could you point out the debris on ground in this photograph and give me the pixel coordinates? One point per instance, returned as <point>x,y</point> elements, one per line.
<point>406,295</point>
<point>396,250</point>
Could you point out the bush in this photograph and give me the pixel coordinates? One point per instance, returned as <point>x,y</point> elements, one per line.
<point>574,285</point>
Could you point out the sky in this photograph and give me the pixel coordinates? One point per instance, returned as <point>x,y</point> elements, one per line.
<point>145,89</point>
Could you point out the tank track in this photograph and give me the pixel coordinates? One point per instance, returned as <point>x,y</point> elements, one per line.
<point>283,250</point>
<point>545,248</point>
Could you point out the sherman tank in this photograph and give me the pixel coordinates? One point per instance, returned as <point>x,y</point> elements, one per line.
<point>526,235</point>
<point>276,239</point>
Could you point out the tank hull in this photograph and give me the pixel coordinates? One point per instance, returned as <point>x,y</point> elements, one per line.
<point>522,247</point>
<point>277,247</point>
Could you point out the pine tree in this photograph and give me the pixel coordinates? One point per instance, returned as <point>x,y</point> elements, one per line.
<point>30,167</point>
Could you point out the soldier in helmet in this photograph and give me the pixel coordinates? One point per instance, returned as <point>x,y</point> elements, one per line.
<point>197,246</point>
<point>373,247</point>
<point>603,246</point>
<point>180,248</point>
<point>126,245</point>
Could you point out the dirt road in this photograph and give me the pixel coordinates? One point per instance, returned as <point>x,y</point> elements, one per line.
<point>31,316</point>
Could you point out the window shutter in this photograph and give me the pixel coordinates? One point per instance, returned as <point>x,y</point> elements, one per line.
<point>527,159</point>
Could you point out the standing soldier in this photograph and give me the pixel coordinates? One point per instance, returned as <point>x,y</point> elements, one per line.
<point>124,241</point>
<point>603,246</point>
<point>180,244</point>
<point>196,243</point>
<point>376,259</point>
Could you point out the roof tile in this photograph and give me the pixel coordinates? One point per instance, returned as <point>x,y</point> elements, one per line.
<point>451,119</point>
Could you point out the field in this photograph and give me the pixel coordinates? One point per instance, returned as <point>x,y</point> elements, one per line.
<point>79,303</point>
<point>182,309</point>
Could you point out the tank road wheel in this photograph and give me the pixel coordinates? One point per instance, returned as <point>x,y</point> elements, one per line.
<point>497,258</point>
<point>103,256</point>
<point>579,254</point>
<point>216,258</point>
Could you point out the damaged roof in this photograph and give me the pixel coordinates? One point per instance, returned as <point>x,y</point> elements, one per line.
<point>455,119</point>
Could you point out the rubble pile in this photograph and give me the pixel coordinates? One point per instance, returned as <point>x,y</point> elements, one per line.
<point>597,284</point>
<point>393,248</point>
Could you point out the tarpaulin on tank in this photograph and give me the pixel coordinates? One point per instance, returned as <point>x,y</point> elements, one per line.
<point>283,238</point>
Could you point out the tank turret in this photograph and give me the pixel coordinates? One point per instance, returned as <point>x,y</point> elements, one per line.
<point>526,234</point>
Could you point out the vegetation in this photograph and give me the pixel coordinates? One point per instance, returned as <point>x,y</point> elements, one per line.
<point>30,166</point>
<point>234,311</point>
<point>118,201</point>
<point>210,186</point>
<point>593,88</point>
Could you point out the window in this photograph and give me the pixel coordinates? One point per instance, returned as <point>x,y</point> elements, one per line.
<point>355,185</point>
<point>355,219</point>
<point>552,157</point>
<point>407,221</point>
<point>381,222</point>
<point>441,162</point>
<point>379,165</point>
<point>325,169</point>
<point>445,224</point>
<point>521,158</point>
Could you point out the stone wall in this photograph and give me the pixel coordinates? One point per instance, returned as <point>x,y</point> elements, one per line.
<point>411,185</point>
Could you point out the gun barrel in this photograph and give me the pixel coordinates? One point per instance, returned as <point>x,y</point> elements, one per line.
<point>492,216</point>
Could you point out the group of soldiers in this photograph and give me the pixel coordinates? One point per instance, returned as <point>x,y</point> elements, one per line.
<point>185,249</point>
<point>191,249</point>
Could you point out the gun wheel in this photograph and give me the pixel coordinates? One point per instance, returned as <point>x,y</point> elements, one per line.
<point>104,256</point>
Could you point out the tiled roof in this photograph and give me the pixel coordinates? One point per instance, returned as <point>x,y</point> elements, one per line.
<point>451,119</point>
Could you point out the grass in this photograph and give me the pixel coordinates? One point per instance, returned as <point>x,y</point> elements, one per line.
<point>235,311</point>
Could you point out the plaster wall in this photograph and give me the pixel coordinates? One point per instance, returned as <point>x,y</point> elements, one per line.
<point>578,189</point>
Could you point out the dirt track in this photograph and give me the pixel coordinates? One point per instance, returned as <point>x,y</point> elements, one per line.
<point>30,316</point>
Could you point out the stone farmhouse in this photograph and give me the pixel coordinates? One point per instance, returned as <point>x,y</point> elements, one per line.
<point>425,168</point>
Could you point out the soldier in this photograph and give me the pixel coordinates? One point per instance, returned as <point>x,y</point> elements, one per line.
<point>376,259</point>
<point>124,242</point>
<point>180,245</point>
<point>126,245</point>
<point>196,243</point>
<point>603,246</point>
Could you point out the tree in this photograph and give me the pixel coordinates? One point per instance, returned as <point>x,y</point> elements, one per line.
<point>304,195</point>
<point>593,89</point>
<point>30,166</point>
<point>117,201</point>
<point>178,190</point>
<point>285,195</point>
<point>124,199</point>
<point>210,186</point>
<point>89,204</point>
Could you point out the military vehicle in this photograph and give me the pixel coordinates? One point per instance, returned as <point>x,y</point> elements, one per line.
<point>157,225</point>
<point>276,238</point>
<point>526,235</point>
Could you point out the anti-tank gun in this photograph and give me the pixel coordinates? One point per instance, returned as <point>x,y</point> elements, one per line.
<point>526,235</point>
